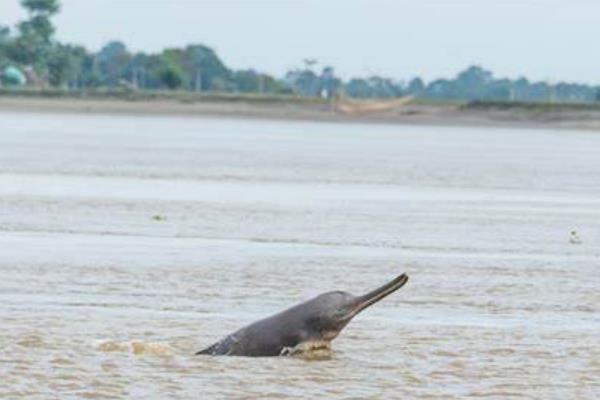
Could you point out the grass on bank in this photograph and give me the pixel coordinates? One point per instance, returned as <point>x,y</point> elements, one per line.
<point>154,95</point>
<point>269,98</point>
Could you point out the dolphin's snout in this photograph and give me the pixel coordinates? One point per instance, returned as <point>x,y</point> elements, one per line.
<point>376,295</point>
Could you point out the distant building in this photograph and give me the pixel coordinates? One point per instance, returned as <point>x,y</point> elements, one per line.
<point>12,76</point>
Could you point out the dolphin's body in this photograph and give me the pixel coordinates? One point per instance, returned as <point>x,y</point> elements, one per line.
<point>312,324</point>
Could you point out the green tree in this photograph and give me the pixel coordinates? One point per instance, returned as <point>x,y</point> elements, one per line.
<point>146,69</point>
<point>203,69</point>
<point>304,82</point>
<point>250,81</point>
<point>521,89</point>
<point>359,88</point>
<point>35,35</point>
<point>374,87</point>
<point>416,86</point>
<point>442,89</point>
<point>113,61</point>
<point>171,77</point>
<point>500,89</point>
<point>65,64</point>
<point>41,7</point>
<point>247,80</point>
<point>5,42</point>
<point>4,33</point>
<point>471,83</point>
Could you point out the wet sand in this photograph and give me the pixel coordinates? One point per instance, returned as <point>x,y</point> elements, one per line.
<point>129,242</point>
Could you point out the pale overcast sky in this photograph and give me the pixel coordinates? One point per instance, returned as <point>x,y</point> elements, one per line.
<point>541,39</point>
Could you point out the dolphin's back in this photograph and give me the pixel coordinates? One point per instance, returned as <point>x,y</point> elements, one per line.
<point>267,337</point>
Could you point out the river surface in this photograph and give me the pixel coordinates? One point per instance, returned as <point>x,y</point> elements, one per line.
<point>129,243</point>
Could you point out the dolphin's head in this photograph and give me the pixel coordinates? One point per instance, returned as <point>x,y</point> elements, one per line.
<point>334,310</point>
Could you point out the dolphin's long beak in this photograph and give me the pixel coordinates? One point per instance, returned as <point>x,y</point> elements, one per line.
<point>378,294</point>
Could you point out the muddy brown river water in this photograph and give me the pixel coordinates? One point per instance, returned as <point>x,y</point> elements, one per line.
<point>129,243</point>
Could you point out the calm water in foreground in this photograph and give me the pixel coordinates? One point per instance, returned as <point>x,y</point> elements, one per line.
<point>128,243</point>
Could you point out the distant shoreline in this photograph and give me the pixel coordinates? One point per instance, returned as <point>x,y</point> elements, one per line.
<point>479,114</point>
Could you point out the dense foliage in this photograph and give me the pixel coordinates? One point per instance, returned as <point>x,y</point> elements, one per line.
<point>32,48</point>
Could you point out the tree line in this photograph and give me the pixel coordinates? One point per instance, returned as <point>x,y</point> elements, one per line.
<point>32,50</point>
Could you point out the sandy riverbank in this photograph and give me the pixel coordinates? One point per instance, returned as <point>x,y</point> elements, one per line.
<point>541,116</point>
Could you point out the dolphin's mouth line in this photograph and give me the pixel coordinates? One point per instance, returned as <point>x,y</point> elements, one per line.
<point>375,295</point>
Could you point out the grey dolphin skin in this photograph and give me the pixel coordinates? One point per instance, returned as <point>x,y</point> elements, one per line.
<point>312,324</point>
